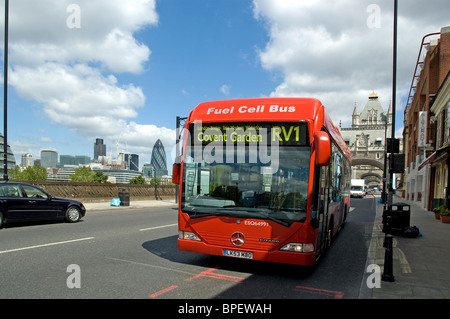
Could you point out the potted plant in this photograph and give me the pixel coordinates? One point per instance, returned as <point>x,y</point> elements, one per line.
<point>445,215</point>
<point>437,212</point>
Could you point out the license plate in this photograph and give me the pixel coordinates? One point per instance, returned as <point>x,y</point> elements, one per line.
<point>238,254</point>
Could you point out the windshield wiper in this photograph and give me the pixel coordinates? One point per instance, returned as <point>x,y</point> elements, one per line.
<point>279,221</point>
<point>195,214</point>
<point>236,211</point>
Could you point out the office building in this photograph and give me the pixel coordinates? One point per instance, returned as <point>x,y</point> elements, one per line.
<point>73,160</point>
<point>148,170</point>
<point>49,158</point>
<point>132,162</point>
<point>99,148</point>
<point>27,160</point>
<point>159,160</point>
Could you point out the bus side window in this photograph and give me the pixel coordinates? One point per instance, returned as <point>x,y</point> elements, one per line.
<point>336,174</point>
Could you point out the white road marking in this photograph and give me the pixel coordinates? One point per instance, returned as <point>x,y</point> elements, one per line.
<point>45,245</point>
<point>157,227</point>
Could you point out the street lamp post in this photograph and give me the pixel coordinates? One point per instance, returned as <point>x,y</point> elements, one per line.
<point>394,89</point>
<point>384,194</point>
<point>388,275</point>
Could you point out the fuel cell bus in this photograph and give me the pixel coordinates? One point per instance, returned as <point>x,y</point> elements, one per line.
<point>264,179</point>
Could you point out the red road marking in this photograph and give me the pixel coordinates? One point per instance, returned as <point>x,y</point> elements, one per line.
<point>209,273</point>
<point>317,291</point>
<point>156,294</point>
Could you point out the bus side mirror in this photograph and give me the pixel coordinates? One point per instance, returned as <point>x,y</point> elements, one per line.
<point>322,148</point>
<point>176,169</point>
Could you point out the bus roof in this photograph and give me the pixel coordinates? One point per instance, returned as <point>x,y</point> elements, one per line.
<point>275,109</point>
<point>257,109</point>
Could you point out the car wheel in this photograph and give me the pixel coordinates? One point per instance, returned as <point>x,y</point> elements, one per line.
<point>73,214</point>
<point>2,219</point>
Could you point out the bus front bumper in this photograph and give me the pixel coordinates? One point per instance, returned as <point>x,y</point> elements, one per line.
<point>278,256</point>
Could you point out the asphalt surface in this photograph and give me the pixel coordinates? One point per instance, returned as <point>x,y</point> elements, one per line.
<point>130,252</point>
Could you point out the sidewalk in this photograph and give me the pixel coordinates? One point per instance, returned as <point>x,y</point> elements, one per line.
<point>421,266</point>
<point>133,204</point>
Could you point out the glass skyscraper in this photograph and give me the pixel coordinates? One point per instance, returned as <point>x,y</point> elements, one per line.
<point>159,160</point>
<point>132,161</point>
<point>49,157</point>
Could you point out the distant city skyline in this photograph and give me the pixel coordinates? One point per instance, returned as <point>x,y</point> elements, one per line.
<point>53,159</point>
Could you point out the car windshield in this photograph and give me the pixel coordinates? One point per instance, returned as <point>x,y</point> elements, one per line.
<point>248,188</point>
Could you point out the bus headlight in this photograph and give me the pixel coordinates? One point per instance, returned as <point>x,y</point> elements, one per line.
<point>188,235</point>
<point>299,247</point>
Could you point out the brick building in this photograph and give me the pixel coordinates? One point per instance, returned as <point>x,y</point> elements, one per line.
<point>426,137</point>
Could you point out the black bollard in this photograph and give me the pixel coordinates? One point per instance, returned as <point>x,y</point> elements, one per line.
<point>388,265</point>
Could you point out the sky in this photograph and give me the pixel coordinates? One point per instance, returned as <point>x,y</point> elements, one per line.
<point>124,70</point>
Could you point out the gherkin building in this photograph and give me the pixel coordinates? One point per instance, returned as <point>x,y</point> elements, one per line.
<point>11,162</point>
<point>159,160</point>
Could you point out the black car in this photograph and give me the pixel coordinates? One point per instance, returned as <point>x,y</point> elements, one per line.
<point>21,202</point>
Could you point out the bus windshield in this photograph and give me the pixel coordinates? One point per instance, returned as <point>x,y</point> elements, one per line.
<point>246,184</point>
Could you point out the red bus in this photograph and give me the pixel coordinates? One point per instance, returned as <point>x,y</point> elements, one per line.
<point>264,179</point>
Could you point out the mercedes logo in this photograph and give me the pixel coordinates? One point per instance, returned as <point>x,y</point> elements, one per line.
<point>238,239</point>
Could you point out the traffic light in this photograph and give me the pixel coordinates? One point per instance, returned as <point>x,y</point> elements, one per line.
<point>395,145</point>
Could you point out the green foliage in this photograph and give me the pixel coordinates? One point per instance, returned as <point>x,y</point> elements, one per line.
<point>31,173</point>
<point>82,174</point>
<point>155,181</point>
<point>138,180</point>
<point>99,177</point>
<point>86,175</point>
<point>444,211</point>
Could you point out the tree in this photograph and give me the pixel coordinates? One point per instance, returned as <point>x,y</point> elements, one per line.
<point>82,174</point>
<point>35,173</point>
<point>155,181</point>
<point>99,177</point>
<point>138,180</point>
<point>31,173</point>
<point>15,173</point>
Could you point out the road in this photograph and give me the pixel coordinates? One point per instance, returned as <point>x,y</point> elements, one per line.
<point>132,254</point>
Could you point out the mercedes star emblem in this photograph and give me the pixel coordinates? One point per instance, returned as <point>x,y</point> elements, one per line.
<point>238,239</point>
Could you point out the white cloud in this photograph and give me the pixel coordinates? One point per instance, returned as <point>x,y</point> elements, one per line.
<point>71,72</point>
<point>67,92</point>
<point>326,49</point>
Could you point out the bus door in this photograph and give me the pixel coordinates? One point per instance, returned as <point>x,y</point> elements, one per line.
<point>322,205</point>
